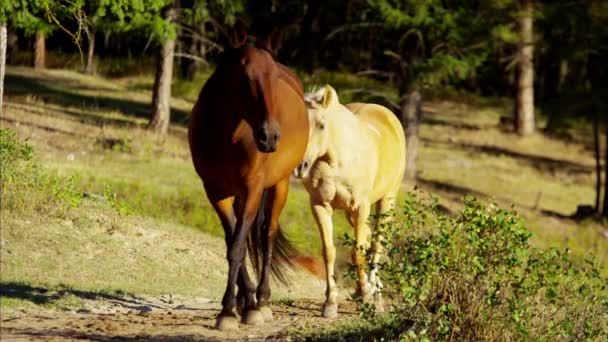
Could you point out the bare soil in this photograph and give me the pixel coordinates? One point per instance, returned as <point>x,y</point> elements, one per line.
<point>160,319</point>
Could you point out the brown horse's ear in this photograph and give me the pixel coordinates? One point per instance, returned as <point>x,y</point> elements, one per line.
<point>329,97</point>
<point>239,35</point>
<point>274,41</point>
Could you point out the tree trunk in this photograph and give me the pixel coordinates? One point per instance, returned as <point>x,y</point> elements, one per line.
<point>605,209</point>
<point>202,47</point>
<point>524,107</point>
<point>40,51</point>
<point>3,43</point>
<point>598,166</point>
<point>90,67</point>
<point>161,108</point>
<point>411,114</point>
<point>189,67</point>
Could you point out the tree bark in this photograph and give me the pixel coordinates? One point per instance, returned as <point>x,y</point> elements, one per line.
<point>161,98</point>
<point>411,114</point>
<point>189,67</point>
<point>524,106</point>
<point>40,51</point>
<point>598,166</point>
<point>3,43</point>
<point>605,208</point>
<point>90,66</point>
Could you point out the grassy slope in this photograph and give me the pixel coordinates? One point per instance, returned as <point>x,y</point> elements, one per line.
<point>69,117</point>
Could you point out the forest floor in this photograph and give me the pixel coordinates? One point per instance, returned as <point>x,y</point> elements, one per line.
<point>142,257</point>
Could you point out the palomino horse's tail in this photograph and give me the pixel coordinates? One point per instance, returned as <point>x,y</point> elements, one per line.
<point>284,254</point>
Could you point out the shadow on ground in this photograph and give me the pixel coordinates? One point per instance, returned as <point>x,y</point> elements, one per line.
<point>19,85</point>
<point>543,164</point>
<point>40,295</point>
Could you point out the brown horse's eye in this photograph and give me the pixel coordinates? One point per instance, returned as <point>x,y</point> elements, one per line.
<point>321,126</point>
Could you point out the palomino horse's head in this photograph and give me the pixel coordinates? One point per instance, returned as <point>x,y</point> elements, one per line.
<point>258,75</point>
<point>319,105</point>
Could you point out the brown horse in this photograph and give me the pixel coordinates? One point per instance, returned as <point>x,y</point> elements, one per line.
<point>248,131</point>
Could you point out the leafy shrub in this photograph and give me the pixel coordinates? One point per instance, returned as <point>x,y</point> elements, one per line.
<point>11,152</point>
<point>475,277</point>
<point>26,186</point>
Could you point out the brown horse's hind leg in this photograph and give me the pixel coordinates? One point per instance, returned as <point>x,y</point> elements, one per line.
<point>277,200</point>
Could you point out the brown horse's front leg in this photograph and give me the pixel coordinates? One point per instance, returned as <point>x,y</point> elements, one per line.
<point>277,199</point>
<point>236,254</point>
<point>225,209</point>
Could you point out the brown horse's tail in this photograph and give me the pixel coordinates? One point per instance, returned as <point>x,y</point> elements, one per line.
<point>284,254</point>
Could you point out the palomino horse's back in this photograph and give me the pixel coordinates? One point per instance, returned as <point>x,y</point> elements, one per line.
<point>391,143</point>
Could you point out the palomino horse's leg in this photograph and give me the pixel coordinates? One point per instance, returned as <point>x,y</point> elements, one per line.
<point>278,197</point>
<point>226,211</point>
<point>323,214</point>
<point>385,207</point>
<point>236,254</point>
<point>362,234</point>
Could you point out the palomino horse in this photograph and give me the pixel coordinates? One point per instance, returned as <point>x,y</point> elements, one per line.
<point>248,131</point>
<point>355,159</point>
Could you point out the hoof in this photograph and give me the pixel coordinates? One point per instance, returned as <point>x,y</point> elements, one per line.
<point>226,323</point>
<point>367,298</point>
<point>330,310</point>
<point>253,317</point>
<point>266,313</point>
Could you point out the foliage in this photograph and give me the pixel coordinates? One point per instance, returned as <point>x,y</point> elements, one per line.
<point>433,42</point>
<point>29,15</point>
<point>13,151</point>
<point>26,186</point>
<point>475,275</point>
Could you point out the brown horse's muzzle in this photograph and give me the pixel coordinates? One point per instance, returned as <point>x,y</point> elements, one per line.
<point>267,137</point>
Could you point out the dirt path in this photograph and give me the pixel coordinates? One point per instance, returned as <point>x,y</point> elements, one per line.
<point>157,319</point>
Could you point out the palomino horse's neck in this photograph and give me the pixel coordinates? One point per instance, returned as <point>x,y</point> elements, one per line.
<point>344,136</point>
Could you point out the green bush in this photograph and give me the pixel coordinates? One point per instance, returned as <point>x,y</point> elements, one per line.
<point>475,277</point>
<point>28,187</point>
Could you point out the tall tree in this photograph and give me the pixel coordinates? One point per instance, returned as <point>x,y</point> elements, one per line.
<point>426,44</point>
<point>524,106</point>
<point>161,98</point>
<point>32,17</point>
<point>3,40</point>
<point>40,50</point>
<point>598,165</point>
<point>411,113</point>
<point>5,8</point>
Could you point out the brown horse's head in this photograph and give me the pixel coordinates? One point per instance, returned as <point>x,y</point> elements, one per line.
<point>258,76</point>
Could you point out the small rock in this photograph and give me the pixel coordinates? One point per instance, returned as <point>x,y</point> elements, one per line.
<point>605,234</point>
<point>83,311</point>
<point>70,156</point>
<point>144,309</point>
